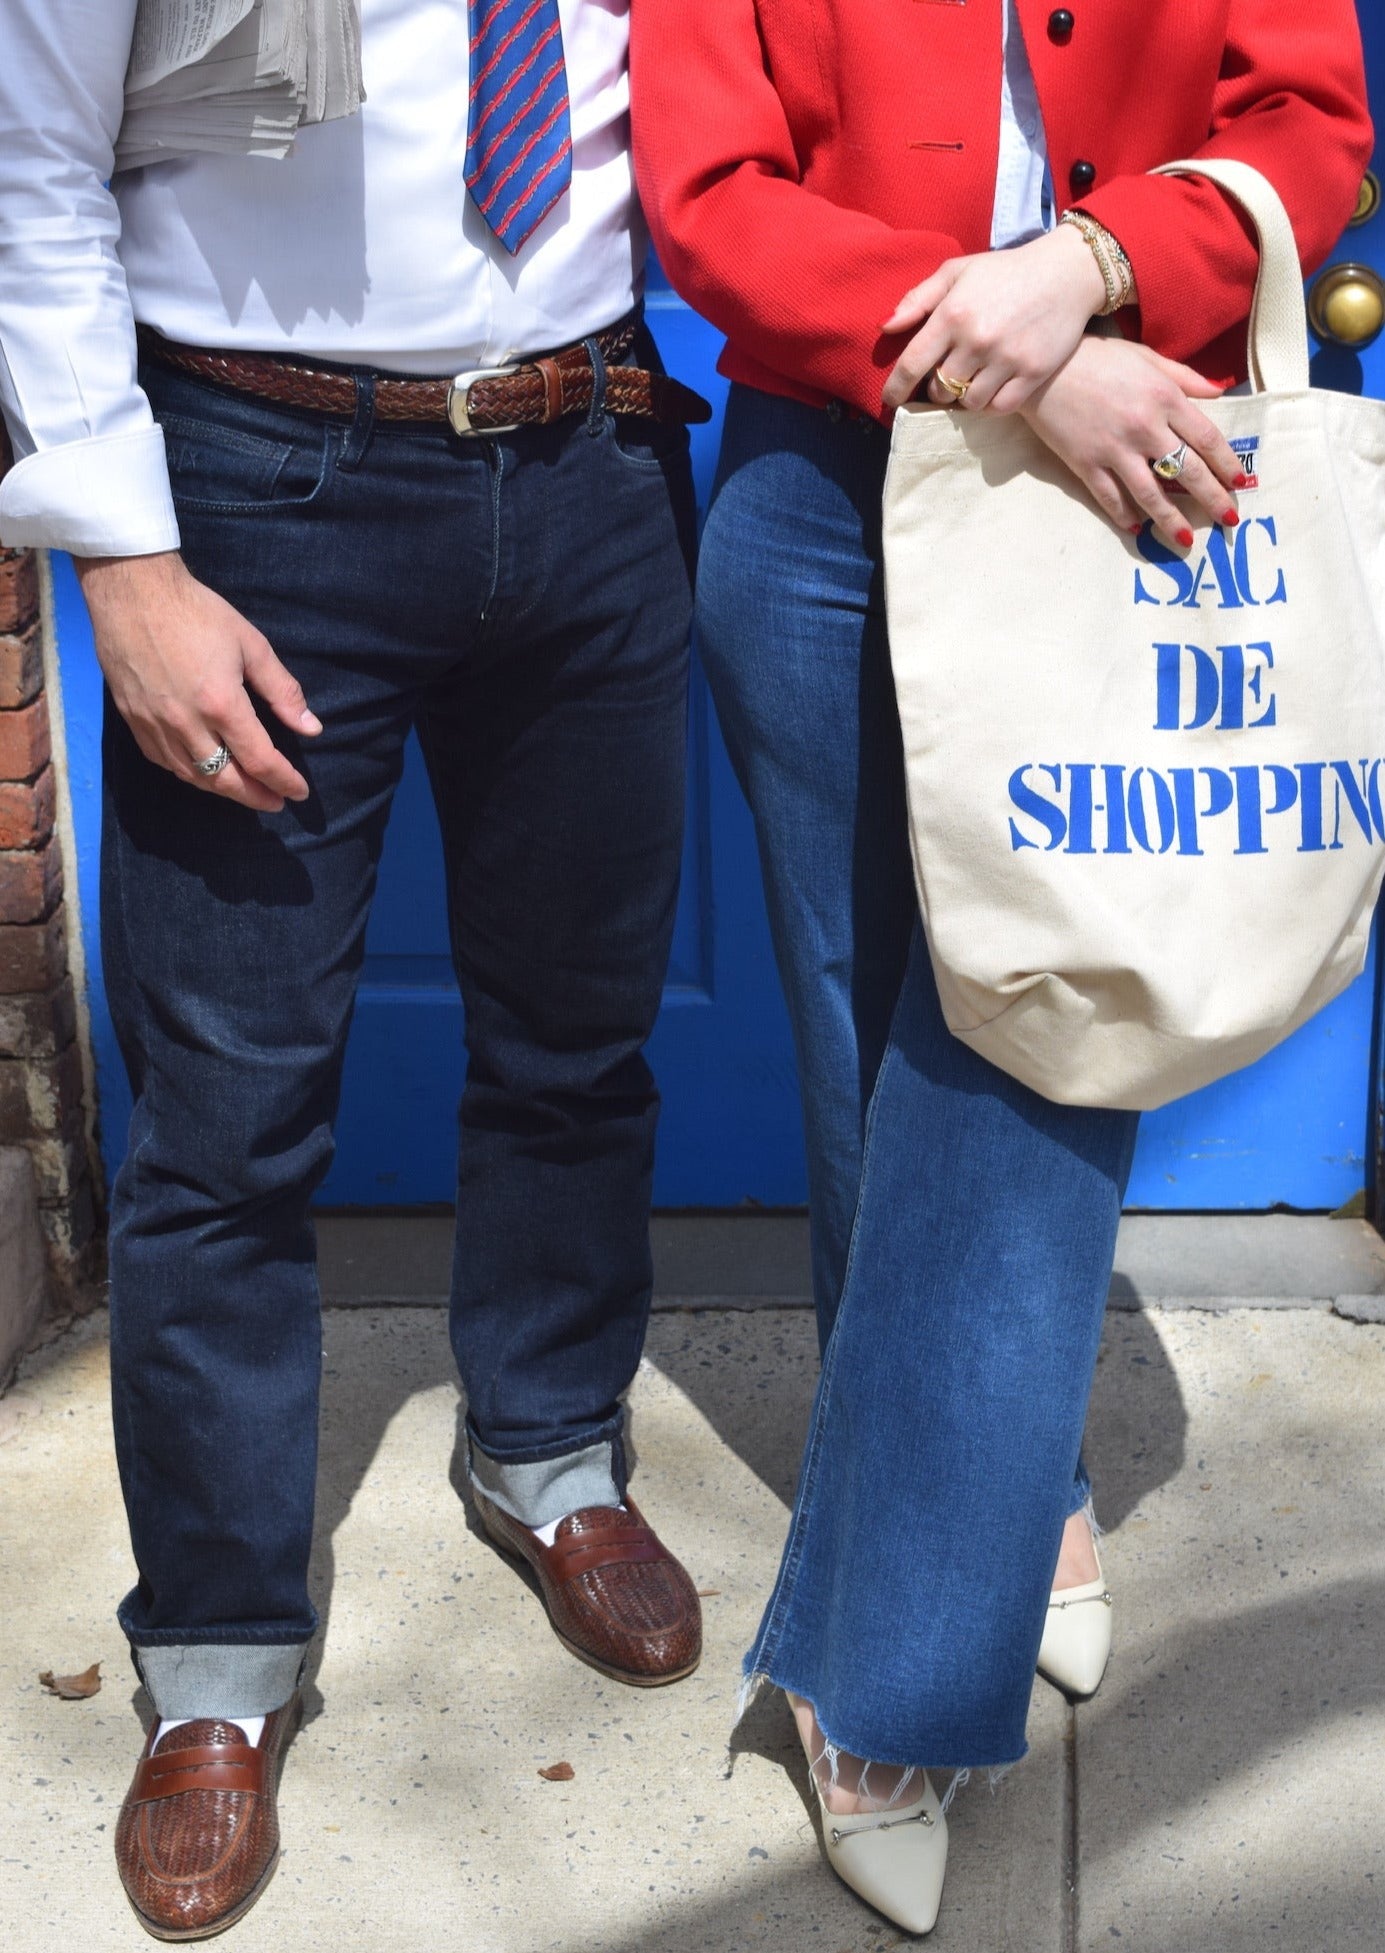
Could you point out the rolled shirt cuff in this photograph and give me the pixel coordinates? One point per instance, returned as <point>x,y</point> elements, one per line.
<point>213,1678</point>
<point>108,496</point>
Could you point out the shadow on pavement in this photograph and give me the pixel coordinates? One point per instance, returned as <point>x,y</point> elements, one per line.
<point>1137,1422</point>
<point>358,1406</point>
<point>757,1401</point>
<point>1182,1765</point>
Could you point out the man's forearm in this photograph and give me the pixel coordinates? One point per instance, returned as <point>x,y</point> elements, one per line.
<point>89,471</point>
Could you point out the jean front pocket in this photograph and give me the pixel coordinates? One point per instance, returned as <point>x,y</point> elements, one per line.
<point>216,466</point>
<point>648,444</point>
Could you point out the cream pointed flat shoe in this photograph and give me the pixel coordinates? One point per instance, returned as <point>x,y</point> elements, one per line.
<point>1077,1638</point>
<point>894,1859</point>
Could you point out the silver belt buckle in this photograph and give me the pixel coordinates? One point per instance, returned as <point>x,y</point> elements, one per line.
<point>459,396</point>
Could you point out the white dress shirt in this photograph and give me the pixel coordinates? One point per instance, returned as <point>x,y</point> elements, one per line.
<point>1023,206</point>
<point>361,246</point>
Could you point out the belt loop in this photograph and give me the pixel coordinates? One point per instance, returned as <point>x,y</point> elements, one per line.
<point>356,440</point>
<point>597,416</point>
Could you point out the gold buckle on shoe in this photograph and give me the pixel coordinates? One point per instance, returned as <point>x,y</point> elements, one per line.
<point>459,400</point>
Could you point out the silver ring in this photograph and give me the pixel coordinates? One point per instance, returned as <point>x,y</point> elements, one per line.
<point>1170,466</point>
<point>209,768</point>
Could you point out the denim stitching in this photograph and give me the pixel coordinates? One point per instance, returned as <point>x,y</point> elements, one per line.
<point>497,458</point>
<point>270,503</point>
<point>649,464</point>
<point>238,440</point>
<point>539,553</point>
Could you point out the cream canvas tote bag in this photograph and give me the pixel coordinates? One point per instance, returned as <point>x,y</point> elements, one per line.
<point>1146,790</point>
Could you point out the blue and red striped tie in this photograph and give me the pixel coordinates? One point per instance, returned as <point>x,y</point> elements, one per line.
<point>519,139</point>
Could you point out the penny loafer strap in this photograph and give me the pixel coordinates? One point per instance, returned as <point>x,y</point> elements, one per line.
<point>219,1766</point>
<point>585,1553</point>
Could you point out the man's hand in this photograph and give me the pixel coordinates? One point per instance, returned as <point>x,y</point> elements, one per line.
<point>1004,320</point>
<point>178,660</point>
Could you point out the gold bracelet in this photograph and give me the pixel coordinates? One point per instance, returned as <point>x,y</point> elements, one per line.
<point>1123,266</point>
<point>1096,240</point>
<point>1111,261</point>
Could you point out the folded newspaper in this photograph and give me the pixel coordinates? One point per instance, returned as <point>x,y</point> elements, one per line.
<point>236,77</point>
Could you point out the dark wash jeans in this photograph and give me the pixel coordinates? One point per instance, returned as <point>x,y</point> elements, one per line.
<point>523,600</point>
<point>963,1227</point>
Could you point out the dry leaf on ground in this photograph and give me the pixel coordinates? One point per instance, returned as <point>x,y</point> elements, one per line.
<point>73,1688</point>
<point>558,1773</point>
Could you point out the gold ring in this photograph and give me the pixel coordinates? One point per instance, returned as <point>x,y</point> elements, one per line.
<point>957,388</point>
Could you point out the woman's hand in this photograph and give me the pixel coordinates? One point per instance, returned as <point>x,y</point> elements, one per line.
<point>1114,408</point>
<point>181,664</point>
<point>1004,321</point>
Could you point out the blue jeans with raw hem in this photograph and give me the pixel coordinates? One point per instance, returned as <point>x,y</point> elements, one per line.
<point>963,1227</point>
<point>523,601</point>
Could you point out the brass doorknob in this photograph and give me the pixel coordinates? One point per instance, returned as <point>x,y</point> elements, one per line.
<point>1346,305</point>
<point>1367,200</point>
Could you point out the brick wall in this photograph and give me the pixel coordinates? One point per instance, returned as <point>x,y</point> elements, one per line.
<point>42,1097</point>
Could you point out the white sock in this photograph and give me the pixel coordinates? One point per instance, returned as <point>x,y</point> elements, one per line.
<point>549,1532</point>
<point>253,1726</point>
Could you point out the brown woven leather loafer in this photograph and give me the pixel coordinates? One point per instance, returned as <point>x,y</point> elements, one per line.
<point>198,1836</point>
<point>617,1598</point>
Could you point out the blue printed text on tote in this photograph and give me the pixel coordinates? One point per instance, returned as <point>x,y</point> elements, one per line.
<point>1207,684</point>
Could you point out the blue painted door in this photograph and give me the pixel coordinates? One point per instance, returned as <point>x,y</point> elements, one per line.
<point>1292,1131</point>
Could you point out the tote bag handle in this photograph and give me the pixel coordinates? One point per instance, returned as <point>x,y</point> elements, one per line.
<point>1278,323</point>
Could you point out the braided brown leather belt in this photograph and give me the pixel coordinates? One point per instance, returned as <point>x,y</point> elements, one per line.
<point>487,400</point>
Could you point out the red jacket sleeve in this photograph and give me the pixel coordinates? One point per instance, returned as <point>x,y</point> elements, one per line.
<point>720,184</point>
<point>1291,99</point>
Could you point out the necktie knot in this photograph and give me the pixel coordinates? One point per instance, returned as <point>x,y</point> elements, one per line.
<point>519,136</point>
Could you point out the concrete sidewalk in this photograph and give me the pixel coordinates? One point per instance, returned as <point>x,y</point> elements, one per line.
<point>1221,1795</point>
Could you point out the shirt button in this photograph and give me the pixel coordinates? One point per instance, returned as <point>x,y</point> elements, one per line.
<point>1060,26</point>
<point>1081,177</point>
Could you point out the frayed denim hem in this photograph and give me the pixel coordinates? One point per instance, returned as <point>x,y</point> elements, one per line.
<point>755,1681</point>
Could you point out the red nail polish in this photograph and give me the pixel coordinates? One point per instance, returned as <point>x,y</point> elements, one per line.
<point>1230,519</point>
<point>1185,537</point>
<point>1240,481</point>
<point>1136,529</point>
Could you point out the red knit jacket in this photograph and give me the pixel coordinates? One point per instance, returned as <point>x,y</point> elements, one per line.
<point>804,162</point>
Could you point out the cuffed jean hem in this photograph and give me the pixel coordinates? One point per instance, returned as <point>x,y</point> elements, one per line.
<point>538,1491</point>
<point>215,1678</point>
